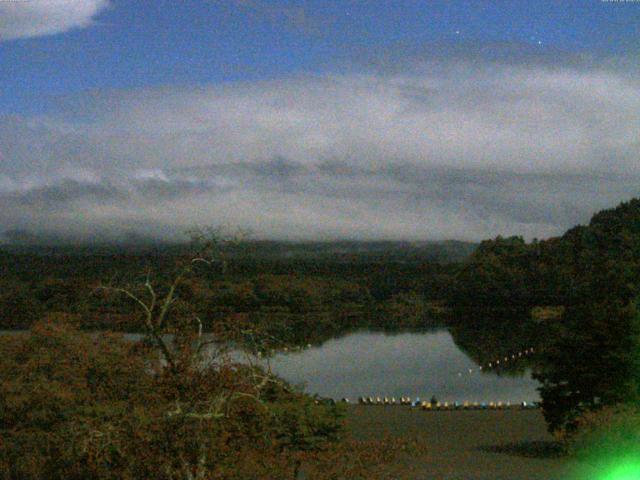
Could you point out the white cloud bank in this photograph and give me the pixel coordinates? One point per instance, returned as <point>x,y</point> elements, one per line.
<point>36,18</point>
<point>458,151</point>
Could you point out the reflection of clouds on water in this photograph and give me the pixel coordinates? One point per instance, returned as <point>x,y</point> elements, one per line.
<point>416,364</point>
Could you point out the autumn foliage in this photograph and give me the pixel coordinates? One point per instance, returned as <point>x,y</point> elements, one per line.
<point>78,406</point>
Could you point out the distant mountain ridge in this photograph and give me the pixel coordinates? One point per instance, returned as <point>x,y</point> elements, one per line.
<point>445,251</point>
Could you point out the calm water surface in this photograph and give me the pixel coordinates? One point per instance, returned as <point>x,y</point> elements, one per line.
<point>405,364</point>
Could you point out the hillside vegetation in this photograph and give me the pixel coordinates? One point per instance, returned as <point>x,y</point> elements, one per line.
<point>589,356</point>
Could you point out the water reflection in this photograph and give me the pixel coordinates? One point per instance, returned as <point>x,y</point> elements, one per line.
<point>495,335</point>
<point>415,364</point>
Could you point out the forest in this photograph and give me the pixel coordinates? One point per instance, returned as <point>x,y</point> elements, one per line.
<point>295,293</point>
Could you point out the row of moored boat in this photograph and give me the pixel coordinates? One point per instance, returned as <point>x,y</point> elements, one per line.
<point>430,405</point>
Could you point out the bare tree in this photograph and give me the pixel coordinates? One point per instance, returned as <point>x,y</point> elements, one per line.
<point>209,246</point>
<point>184,359</point>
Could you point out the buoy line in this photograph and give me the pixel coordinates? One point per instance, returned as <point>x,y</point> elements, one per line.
<point>502,360</point>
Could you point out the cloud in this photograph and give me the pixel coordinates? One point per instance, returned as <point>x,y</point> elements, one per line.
<point>442,150</point>
<point>36,18</point>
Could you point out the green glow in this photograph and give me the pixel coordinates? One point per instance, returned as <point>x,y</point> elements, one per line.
<point>628,470</point>
<point>625,467</point>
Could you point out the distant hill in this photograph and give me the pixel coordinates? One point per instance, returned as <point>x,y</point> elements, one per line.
<point>438,251</point>
<point>588,261</point>
<point>447,251</point>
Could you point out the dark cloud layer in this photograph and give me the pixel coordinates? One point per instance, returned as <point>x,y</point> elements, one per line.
<point>444,149</point>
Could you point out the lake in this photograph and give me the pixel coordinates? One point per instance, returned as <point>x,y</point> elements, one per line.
<point>399,364</point>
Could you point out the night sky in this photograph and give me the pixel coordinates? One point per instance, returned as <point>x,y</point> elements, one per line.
<point>315,119</point>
